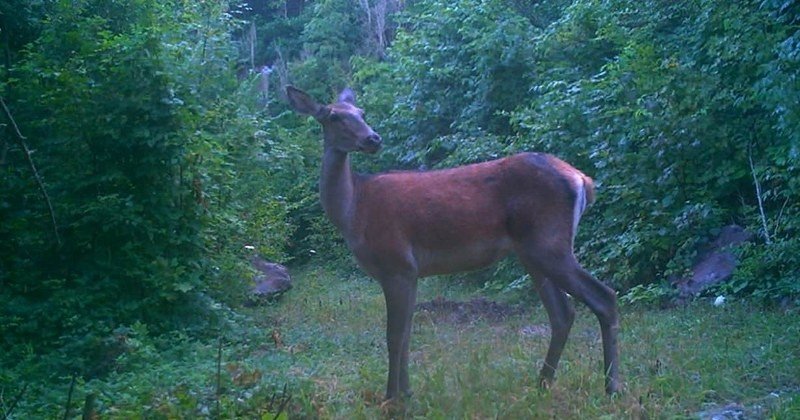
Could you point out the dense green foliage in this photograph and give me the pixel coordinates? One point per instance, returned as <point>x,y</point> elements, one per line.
<point>673,108</point>
<point>145,155</point>
<point>149,153</point>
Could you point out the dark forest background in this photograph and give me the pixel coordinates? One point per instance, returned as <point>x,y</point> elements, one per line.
<point>146,150</point>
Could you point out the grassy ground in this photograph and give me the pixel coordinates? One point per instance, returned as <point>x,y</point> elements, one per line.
<point>675,363</point>
<point>323,345</point>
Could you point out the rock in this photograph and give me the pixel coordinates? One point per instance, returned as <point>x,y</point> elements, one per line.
<point>271,279</point>
<point>731,411</point>
<point>715,262</point>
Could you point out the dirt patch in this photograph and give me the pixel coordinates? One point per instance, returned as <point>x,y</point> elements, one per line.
<point>445,310</point>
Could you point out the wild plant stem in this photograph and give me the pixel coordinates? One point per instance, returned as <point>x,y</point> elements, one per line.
<point>69,397</point>
<point>219,376</point>
<point>7,413</point>
<point>758,195</point>
<point>284,402</point>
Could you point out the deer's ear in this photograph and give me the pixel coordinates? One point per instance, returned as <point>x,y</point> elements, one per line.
<point>348,96</point>
<point>302,102</point>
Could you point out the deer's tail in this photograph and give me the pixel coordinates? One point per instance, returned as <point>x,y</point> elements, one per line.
<point>588,189</point>
<point>584,198</point>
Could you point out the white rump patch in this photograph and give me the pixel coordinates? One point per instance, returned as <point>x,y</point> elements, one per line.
<point>580,202</point>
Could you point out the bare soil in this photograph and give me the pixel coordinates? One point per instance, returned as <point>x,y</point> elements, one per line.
<point>454,312</point>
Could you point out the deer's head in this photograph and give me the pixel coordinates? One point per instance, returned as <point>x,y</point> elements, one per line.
<point>343,125</point>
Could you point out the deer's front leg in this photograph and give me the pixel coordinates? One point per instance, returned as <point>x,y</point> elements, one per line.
<point>400,295</point>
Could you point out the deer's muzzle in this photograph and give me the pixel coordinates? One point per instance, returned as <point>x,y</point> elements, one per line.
<point>370,144</point>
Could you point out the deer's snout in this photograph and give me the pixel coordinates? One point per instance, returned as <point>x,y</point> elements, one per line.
<point>371,143</point>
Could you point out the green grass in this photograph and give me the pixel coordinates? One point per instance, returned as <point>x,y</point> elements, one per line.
<point>675,362</point>
<point>324,341</point>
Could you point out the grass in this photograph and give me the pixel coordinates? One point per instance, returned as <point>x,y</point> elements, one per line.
<point>324,342</point>
<point>675,363</point>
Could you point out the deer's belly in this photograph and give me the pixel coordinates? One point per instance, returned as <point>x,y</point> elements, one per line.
<point>460,257</point>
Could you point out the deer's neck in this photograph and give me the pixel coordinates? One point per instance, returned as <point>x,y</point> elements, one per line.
<point>336,188</point>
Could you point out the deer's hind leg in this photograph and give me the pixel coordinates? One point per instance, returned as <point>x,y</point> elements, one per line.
<point>560,268</point>
<point>561,314</point>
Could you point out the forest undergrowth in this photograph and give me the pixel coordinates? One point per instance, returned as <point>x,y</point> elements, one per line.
<point>319,352</point>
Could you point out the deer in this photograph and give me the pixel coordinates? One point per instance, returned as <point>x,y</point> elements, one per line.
<point>406,225</point>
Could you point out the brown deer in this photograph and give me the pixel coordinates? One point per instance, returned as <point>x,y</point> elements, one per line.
<point>402,226</point>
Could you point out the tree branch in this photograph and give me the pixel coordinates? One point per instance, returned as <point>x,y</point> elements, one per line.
<point>21,140</point>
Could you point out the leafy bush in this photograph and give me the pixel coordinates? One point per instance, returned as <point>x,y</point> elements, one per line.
<point>660,103</point>
<point>682,112</point>
<point>648,295</point>
<point>455,69</point>
<point>149,150</point>
<point>767,271</point>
